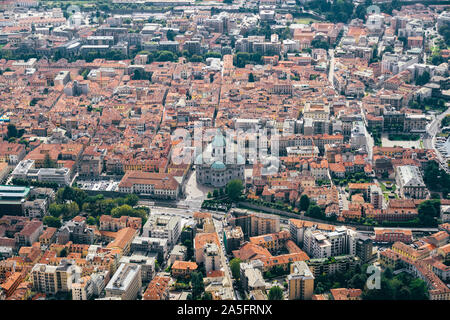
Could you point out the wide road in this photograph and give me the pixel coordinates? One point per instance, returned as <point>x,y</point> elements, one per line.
<point>218,217</point>
<point>331,70</point>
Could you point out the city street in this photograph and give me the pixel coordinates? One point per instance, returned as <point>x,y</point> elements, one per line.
<point>429,139</point>
<point>331,70</point>
<point>224,261</point>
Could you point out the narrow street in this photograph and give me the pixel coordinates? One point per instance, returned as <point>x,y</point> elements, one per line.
<point>225,266</point>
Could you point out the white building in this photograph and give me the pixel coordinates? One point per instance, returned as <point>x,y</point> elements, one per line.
<point>25,170</point>
<point>212,257</point>
<point>126,283</point>
<point>409,179</point>
<point>147,264</point>
<point>321,244</point>
<point>83,289</point>
<point>164,227</point>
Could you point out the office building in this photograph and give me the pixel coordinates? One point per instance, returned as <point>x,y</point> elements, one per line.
<point>126,283</point>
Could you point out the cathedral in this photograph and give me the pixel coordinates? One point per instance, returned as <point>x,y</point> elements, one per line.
<point>219,163</point>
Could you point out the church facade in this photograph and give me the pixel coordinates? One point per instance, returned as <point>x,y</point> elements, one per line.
<point>219,163</point>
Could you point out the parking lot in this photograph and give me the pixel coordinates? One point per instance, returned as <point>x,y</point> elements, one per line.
<point>107,185</point>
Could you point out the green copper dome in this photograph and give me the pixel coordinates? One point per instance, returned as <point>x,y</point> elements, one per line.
<point>218,165</point>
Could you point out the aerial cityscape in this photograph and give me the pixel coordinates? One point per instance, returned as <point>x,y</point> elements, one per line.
<point>224,150</point>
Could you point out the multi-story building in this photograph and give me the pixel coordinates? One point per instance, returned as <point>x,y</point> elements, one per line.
<point>147,244</point>
<point>77,232</point>
<point>83,289</point>
<point>109,223</point>
<point>12,199</point>
<point>332,265</point>
<point>36,208</point>
<point>183,268</point>
<point>48,236</point>
<point>410,181</point>
<point>147,264</point>
<point>393,235</point>
<point>164,227</point>
<point>211,256</point>
<point>126,283</point>
<point>178,253</point>
<point>201,244</point>
<point>11,153</point>
<point>319,244</point>
<point>53,279</point>
<point>25,170</point>
<point>251,275</point>
<point>157,185</point>
<point>29,234</point>
<point>298,227</point>
<point>91,162</point>
<point>158,289</point>
<point>253,223</point>
<point>300,281</point>
<point>233,238</point>
<point>272,241</point>
<point>364,249</point>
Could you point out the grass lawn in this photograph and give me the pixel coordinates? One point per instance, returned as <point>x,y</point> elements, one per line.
<point>305,20</point>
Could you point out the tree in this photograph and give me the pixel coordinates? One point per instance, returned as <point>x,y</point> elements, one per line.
<point>198,287</point>
<point>63,252</point>
<point>170,35</point>
<point>190,250</point>
<point>320,44</point>
<point>403,294</point>
<point>166,56</point>
<point>386,292</point>
<point>234,189</point>
<point>436,179</point>
<point>51,221</point>
<point>304,202</point>
<point>55,210</point>
<point>235,268</point>
<point>123,210</point>
<point>196,58</point>
<point>207,296</point>
<point>358,281</point>
<point>12,131</point>
<point>132,200</point>
<point>48,162</point>
<point>251,77</point>
<point>70,210</point>
<point>423,79</point>
<point>389,49</point>
<point>315,212</point>
<point>275,293</point>
<point>418,289</point>
<point>428,210</point>
<point>388,273</point>
<point>91,221</point>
